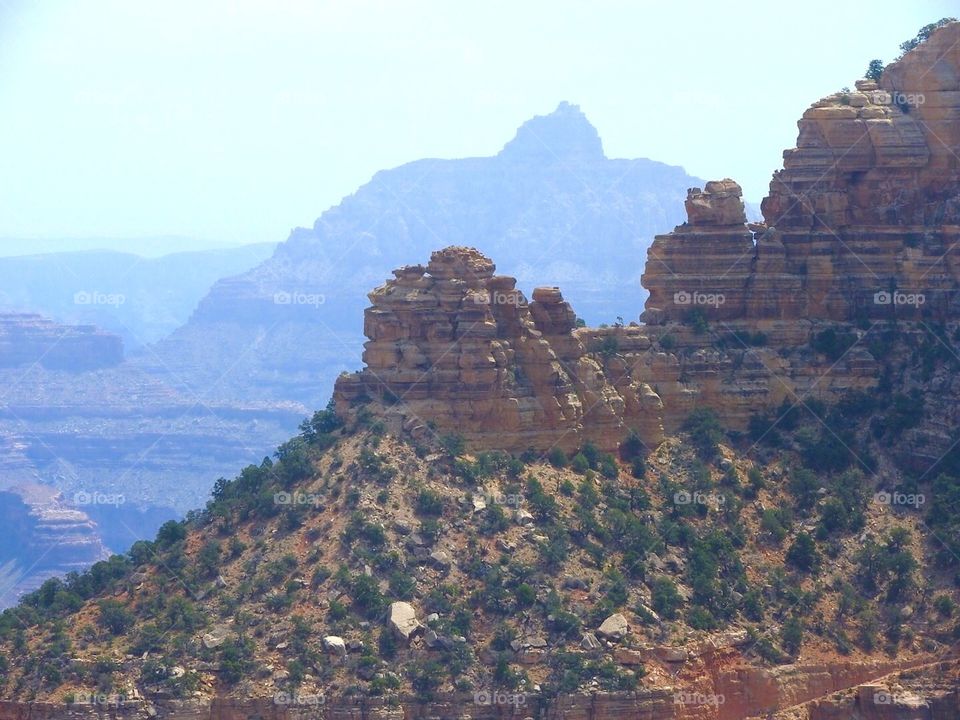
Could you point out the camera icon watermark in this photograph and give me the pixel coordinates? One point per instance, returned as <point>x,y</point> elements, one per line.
<point>884,697</point>
<point>884,97</point>
<point>684,297</point>
<point>898,498</point>
<point>896,297</point>
<point>299,298</point>
<point>698,698</point>
<point>82,497</point>
<point>684,497</point>
<point>95,297</point>
<point>298,699</point>
<point>296,498</point>
<point>498,697</point>
<point>509,499</point>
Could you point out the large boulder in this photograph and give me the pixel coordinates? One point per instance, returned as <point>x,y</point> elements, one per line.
<point>719,203</point>
<point>402,619</point>
<point>216,636</point>
<point>335,645</point>
<point>614,627</point>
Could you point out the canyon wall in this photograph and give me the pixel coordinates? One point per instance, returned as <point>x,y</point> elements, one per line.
<point>728,693</point>
<point>862,225</point>
<point>45,537</point>
<point>866,205</point>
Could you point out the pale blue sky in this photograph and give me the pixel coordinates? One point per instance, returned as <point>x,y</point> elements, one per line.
<point>235,121</point>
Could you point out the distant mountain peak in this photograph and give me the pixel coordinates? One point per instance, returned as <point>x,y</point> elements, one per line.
<point>562,134</point>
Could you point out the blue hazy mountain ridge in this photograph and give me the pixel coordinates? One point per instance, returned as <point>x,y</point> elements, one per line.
<point>139,298</point>
<point>550,208</point>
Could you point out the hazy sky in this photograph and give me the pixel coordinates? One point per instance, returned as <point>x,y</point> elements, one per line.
<point>235,121</point>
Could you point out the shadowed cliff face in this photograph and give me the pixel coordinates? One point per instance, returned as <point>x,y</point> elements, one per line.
<point>43,537</point>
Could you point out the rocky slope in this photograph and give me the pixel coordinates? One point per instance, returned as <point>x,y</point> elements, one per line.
<point>363,563</point>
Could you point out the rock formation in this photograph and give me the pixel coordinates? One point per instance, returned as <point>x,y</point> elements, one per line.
<point>263,348</point>
<point>453,346</point>
<point>534,206</point>
<point>862,222</point>
<point>862,225</point>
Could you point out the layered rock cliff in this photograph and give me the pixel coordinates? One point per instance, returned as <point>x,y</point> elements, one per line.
<point>860,230</point>
<point>455,347</point>
<point>44,537</point>
<point>865,210</point>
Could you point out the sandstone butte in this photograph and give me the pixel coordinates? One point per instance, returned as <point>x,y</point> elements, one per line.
<point>861,225</point>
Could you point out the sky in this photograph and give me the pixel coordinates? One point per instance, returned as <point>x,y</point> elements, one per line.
<point>227,122</point>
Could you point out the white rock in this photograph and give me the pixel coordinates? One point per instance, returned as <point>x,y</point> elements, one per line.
<point>614,627</point>
<point>335,645</point>
<point>216,637</point>
<point>590,642</point>
<point>402,619</point>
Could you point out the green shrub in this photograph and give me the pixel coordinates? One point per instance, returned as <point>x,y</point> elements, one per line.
<point>833,344</point>
<point>776,522</point>
<point>705,432</point>
<point>429,503</point>
<point>700,618</point>
<point>453,444</point>
<point>791,635</point>
<point>236,659</point>
<point>557,458</point>
<point>114,617</point>
<point>580,464</point>
<point>944,605</point>
<point>803,553</point>
<point>665,598</point>
<point>366,595</point>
